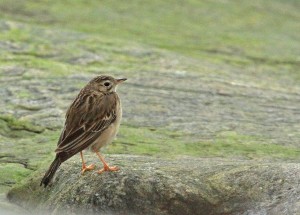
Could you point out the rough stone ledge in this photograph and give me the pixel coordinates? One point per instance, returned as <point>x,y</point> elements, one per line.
<point>147,185</point>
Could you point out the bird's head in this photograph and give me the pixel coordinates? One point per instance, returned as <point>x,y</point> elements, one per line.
<point>105,83</point>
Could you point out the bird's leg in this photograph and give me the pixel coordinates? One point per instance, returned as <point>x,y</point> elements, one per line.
<point>84,167</point>
<point>105,165</point>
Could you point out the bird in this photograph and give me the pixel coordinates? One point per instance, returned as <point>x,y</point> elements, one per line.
<point>91,122</point>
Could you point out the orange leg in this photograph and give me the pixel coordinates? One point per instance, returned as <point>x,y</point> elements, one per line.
<point>105,165</point>
<point>84,167</point>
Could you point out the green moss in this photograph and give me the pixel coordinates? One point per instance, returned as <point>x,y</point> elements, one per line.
<point>9,123</point>
<point>19,157</point>
<point>249,34</point>
<point>11,174</point>
<point>24,94</point>
<point>257,28</point>
<point>164,143</point>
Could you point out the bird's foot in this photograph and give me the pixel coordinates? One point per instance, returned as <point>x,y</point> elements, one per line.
<point>109,168</point>
<point>87,168</point>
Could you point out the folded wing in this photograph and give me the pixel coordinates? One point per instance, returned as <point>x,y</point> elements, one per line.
<point>85,121</point>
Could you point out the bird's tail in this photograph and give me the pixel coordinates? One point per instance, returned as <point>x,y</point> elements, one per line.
<point>50,172</point>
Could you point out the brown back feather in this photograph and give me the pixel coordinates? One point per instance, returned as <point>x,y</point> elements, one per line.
<point>88,116</point>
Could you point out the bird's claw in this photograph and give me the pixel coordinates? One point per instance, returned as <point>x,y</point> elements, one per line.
<point>87,168</point>
<point>109,168</point>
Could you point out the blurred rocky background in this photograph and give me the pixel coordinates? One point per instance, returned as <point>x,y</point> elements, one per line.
<point>213,92</point>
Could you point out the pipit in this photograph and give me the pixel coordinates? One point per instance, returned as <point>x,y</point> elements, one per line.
<point>92,121</point>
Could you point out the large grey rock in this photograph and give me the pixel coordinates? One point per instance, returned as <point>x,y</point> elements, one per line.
<point>146,185</point>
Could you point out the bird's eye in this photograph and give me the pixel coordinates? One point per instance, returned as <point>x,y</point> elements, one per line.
<point>106,84</point>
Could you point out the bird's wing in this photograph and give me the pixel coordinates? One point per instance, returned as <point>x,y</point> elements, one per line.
<point>86,119</point>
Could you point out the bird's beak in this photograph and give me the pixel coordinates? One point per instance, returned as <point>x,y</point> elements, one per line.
<point>119,81</point>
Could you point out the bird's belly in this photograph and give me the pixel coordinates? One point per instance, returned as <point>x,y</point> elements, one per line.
<point>106,137</point>
<point>108,134</point>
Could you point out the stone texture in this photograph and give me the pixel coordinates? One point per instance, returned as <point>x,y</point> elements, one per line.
<point>238,91</point>
<point>146,185</point>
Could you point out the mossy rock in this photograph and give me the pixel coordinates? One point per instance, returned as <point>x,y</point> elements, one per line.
<point>146,185</point>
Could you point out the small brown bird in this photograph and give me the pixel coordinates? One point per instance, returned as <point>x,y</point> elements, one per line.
<point>92,121</point>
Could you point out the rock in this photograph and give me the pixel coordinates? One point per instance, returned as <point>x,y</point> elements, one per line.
<point>147,185</point>
<point>228,89</point>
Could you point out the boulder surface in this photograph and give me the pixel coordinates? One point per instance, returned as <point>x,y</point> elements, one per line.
<point>147,185</point>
